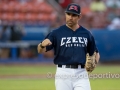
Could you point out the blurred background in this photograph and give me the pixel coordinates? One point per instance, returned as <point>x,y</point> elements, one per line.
<point>25,23</point>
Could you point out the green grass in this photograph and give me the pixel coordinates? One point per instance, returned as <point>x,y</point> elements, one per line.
<point>27,84</point>
<point>48,84</point>
<point>107,69</point>
<point>105,84</point>
<point>20,70</point>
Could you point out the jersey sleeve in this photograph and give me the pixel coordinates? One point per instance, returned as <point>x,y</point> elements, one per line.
<point>50,36</point>
<point>91,47</point>
<point>97,51</point>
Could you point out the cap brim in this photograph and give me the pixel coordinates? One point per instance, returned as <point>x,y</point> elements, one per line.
<point>71,12</point>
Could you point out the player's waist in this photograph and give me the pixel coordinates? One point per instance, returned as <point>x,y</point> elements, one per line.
<point>74,66</point>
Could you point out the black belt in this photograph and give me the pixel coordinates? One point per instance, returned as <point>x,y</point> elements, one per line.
<point>72,66</point>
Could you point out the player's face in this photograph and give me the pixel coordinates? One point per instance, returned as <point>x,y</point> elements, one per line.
<point>71,19</point>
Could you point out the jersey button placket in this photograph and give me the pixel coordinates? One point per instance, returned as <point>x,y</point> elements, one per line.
<point>73,46</point>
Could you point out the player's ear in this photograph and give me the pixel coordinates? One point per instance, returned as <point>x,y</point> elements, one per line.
<point>80,16</point>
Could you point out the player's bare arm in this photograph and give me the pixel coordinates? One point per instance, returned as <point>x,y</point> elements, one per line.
<point>42,46</point>
<point>97,57</point>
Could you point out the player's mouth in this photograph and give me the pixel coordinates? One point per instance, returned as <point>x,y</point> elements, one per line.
<point>70,22</point>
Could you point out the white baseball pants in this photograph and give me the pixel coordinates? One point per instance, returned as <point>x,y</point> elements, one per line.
<point>72,79</point>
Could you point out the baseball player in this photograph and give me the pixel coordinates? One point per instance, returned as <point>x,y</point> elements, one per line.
<point>71,43</point>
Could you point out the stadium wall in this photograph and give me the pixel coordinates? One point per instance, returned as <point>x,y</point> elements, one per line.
<point>108,43</point>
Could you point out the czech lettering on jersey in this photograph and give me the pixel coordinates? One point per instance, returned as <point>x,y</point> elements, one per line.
<point>74,41</point>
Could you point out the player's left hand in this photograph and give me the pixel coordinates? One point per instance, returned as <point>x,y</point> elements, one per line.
<point>90,62</point>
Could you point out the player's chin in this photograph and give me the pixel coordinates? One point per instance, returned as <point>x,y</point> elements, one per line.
<point>70,24</point>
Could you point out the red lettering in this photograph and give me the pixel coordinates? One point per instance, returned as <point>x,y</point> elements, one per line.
<point>73,7</point>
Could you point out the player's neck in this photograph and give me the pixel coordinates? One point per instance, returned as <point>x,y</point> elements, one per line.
<point>74,28</point>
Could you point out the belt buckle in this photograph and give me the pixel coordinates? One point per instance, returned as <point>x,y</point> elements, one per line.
<point>74,66</point>
<point>67,66</point>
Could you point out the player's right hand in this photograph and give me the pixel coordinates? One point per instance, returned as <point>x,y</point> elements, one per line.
<point>46,42</point>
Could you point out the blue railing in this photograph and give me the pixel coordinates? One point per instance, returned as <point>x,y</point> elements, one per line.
<point>108,43</point>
